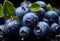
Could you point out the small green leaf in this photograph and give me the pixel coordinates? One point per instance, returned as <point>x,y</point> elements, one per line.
<point>5,0</point>
<point>35,7</point>
<point>49,7</point>
<point>54,8</point>
<point>1,11</point>
<point>9,9</point>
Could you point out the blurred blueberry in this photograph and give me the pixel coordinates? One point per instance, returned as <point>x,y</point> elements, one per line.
<point>58,11</point>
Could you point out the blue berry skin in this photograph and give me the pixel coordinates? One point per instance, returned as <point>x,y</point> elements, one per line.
<point>1,32</point>
<point>46,20</point>
<point>43,4</point>
<point>59,21</point>
<point>2,27</point>
<point>58,11</point>
<point>11,27</point>
<point>7,20</point>
<point>54,27</point>
<point>53,30</point>
<point>24,32</point>
<point>52,16</point>
<point>42,26</point>
<point>21,11</point>
<point>41,14</point>
<point>30,19</point>
<point>23,4</point>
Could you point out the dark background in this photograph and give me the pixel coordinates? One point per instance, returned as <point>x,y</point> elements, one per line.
<point>55,3</point>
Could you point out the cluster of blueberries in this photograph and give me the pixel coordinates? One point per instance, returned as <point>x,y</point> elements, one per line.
<point>38,24</point>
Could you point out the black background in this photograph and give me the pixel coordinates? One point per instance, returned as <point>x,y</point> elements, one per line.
<point>55,3</point>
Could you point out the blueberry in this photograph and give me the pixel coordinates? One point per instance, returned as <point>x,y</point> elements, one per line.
<point>43,4</point>
<point>28,4</point>
<point>59,21</point>
<point>41,14</point>
<point>30,19</point>
<point>52,16</point>
<point>53,30</point>
<point>24,32</point>
<point>7,20</point>
<point>54,27</point>
<point>40,29</point>
<point>1,32</point>
<point>2,27</point>
<point>11,28</point>
<point>21,11</point>
<point>58,11</point>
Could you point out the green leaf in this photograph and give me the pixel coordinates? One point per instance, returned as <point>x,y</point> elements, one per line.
<point>1,11</point>
<point>5,0</point>
<point>54,8</point>
<point>49,7</point>
<point>35,7</point>
<point>9,9</point>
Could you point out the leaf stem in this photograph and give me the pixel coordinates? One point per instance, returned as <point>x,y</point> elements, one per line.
<point>25,1</point>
